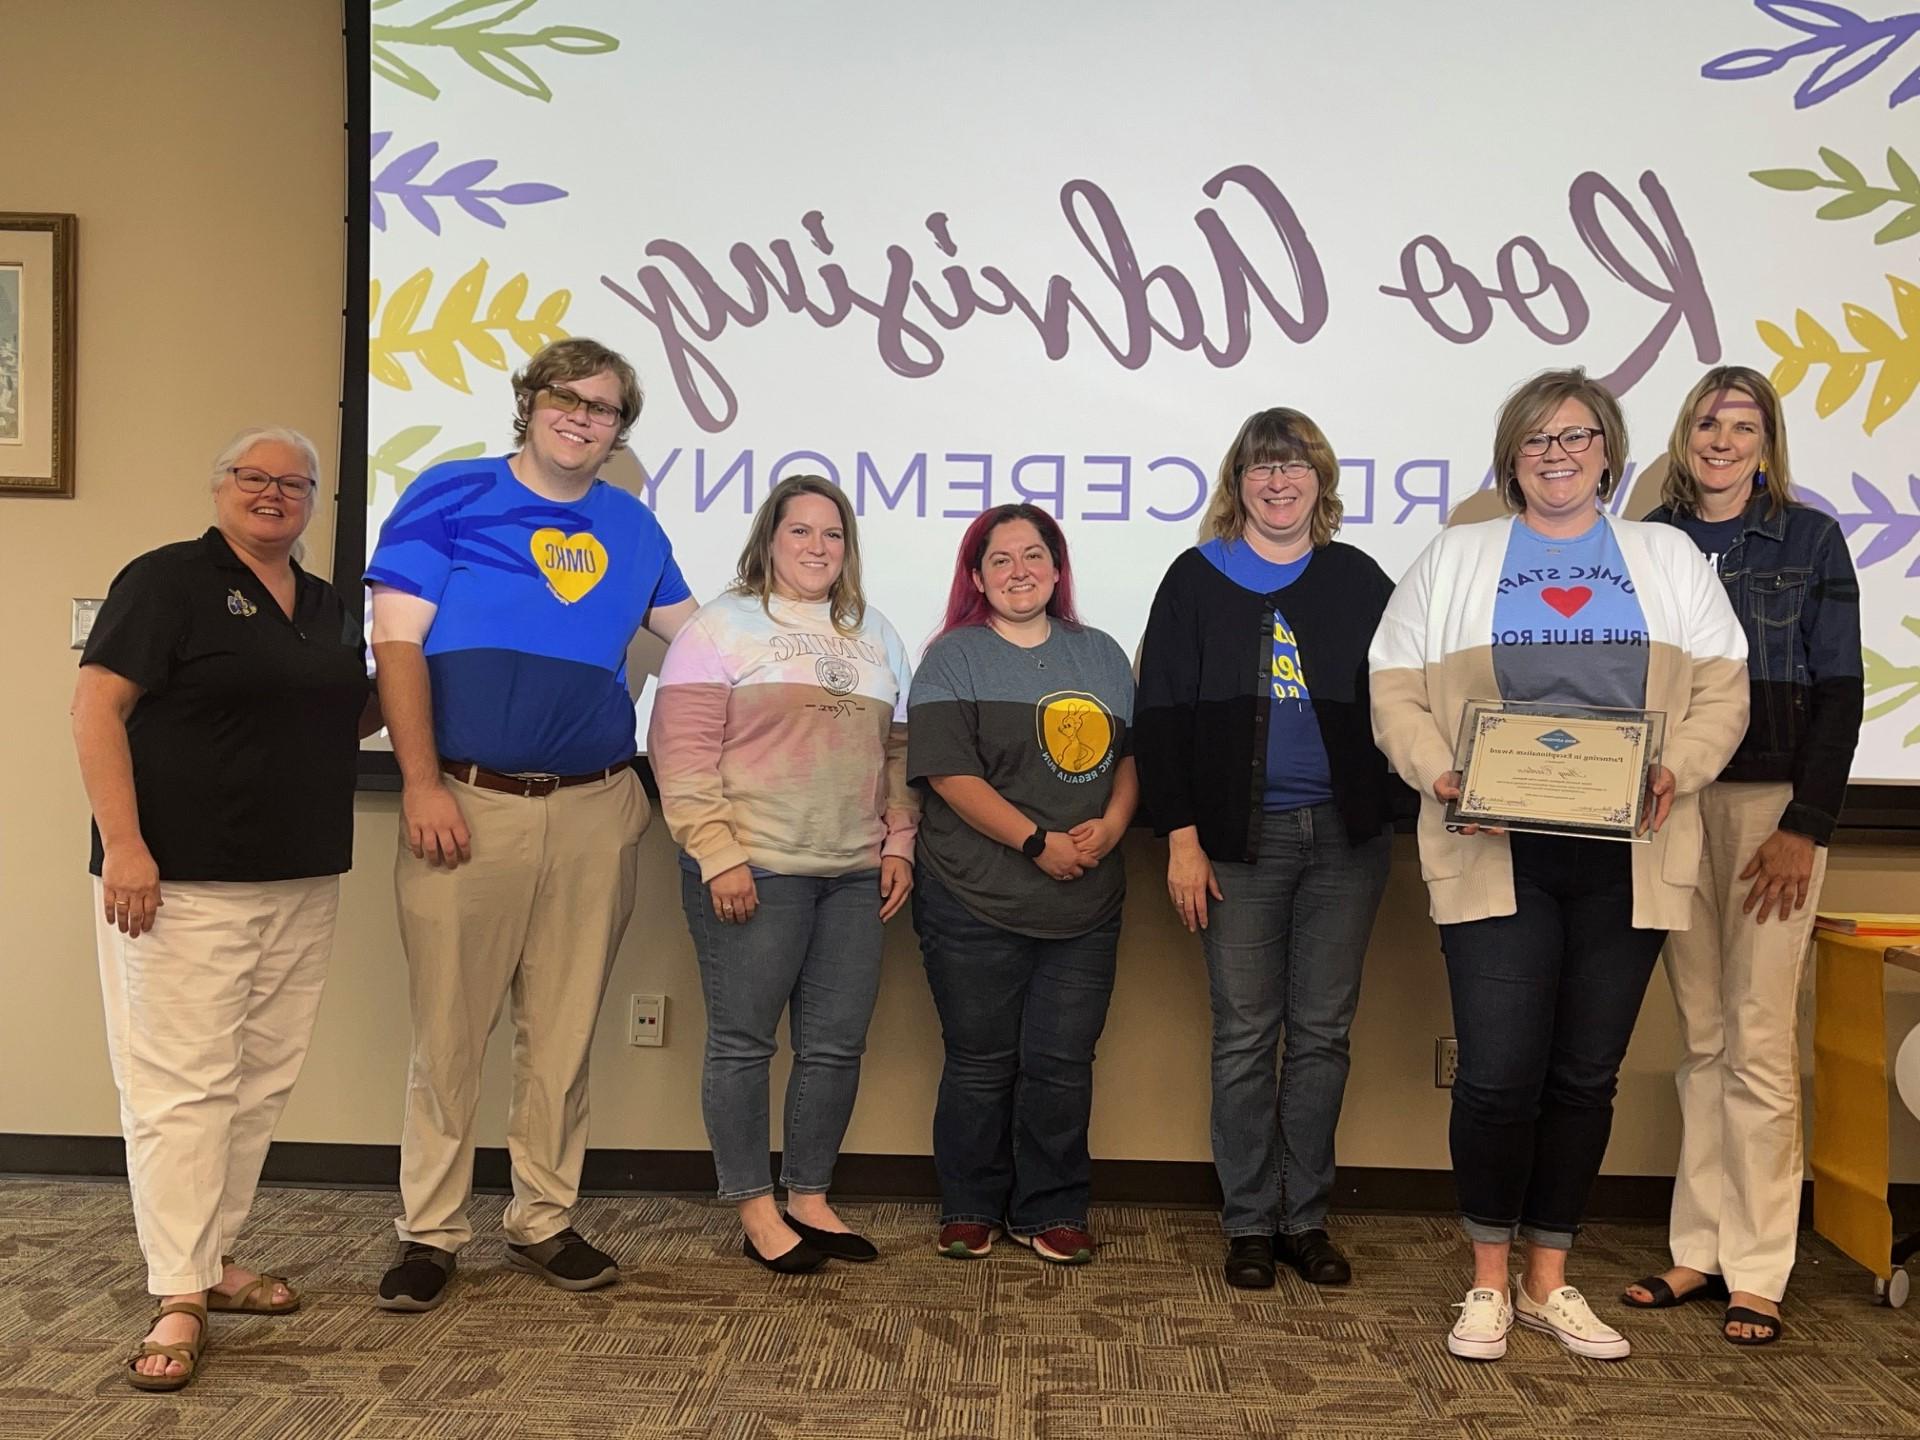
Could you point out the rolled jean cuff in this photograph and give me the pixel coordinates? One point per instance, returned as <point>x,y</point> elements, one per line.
<point>1481,1233</point>
<point>738,1197</point>
<point>1032,1230</point>
<point>793,1188</point>
<point>959,1217</point>
<point>1546,1239</point>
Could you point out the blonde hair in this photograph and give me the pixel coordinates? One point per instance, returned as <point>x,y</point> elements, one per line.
<point>1276,437</point>
<point>1680,490</point>
<point>1530,407</point>
<point>847,603</point>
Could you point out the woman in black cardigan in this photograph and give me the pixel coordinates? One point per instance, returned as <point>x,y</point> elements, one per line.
<point>1256,760</point>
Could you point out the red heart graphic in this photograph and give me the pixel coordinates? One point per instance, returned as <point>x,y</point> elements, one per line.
<point>1567,602</point>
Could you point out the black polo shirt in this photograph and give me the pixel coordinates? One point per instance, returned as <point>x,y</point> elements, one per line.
<point>245,743</point>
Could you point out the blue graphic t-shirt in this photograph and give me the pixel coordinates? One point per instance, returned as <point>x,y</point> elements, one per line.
<point>538,601</point>
<point>1297,769</point>
<point>1714,537</point>
<point>1567,626</point>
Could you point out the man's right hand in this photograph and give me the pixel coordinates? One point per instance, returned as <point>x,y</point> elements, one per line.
<point>436,830</point>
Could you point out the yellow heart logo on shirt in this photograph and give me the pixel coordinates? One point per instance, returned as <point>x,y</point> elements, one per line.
<point>573,565</point>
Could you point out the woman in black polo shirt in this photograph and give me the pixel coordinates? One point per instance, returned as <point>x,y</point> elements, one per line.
<point>221,699</point>
<point>1257,762</point>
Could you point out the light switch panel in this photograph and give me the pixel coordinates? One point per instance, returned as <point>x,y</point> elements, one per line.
<point>84,612</point>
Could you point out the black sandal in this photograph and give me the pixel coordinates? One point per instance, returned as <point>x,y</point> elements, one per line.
<point>1741,1315</point>
<point>1712,1288</point>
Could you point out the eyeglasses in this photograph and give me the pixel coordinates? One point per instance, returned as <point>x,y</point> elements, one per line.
<point>255,482</point>
<point>569,401</point>
<point>1295,470</point>
<point>1573,440</point>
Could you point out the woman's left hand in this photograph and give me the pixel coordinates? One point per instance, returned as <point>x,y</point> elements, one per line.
<point>1781,871</point>
<point>1660,785</point>
<point>1095,838</point>
<point>896,883</point>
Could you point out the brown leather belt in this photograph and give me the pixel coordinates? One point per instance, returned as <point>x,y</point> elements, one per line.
<point>531,786</point>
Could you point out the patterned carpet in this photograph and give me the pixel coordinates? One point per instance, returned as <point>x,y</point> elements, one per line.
<point>697,1342</point>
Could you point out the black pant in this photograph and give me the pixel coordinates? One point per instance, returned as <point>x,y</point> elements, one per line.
<point>1544,1002</point>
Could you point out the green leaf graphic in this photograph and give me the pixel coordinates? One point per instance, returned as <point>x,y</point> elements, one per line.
<point>1858,196</point>
<point>472,31</point>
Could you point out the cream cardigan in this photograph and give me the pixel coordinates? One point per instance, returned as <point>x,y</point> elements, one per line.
<point>1433,653</point>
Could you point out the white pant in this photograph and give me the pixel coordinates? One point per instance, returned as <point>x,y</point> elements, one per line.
<point>208,1019</point>
<point>1736,1198</point>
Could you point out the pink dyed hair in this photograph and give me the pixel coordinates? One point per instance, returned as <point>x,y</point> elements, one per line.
<point>967,606</point>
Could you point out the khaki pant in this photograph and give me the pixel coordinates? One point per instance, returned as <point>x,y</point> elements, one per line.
<point>208,1018</point>
<point>1736,1199</point>
<point>536,915</point>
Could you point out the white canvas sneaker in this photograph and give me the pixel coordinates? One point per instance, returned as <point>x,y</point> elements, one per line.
<point>1481,1331</point>
<point>1566,1315</point>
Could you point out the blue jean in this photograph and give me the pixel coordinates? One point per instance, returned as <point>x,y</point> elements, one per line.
<point>1284,952</point>
<point>1020,1017</point>
<point>812,948</point>
<point>1544,1002</point>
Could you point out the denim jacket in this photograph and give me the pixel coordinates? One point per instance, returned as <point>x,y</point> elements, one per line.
<point>1793,586</point>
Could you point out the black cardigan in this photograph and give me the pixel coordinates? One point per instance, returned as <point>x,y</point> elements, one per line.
<point>1200,716</point>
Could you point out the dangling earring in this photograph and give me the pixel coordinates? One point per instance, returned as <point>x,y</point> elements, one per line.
<point>1760,479</point>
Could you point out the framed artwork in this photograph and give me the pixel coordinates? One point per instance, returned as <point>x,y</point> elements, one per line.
<point>36,354</point>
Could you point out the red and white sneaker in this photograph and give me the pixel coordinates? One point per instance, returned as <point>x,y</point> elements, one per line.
<point>1062,1245</point>
<point>964,1240</point>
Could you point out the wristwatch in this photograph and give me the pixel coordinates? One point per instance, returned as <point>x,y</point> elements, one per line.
<point>1034,843</point>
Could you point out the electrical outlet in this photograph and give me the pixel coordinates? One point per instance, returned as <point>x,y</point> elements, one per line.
<point>647,1020</point>
<point>1446,1061</point>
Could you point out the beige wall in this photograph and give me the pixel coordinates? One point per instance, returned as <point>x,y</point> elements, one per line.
<point>206,167</point>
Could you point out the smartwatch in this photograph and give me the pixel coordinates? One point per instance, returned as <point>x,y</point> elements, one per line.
<point>1034,843</point>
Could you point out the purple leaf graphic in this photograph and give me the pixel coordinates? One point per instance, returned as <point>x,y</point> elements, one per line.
<point>403,180</point>
<point>1877,510</point>
<point>1852,47</point>
<point>380,138</point>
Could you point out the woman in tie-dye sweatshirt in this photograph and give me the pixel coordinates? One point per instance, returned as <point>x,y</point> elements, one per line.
<point>779,743</point>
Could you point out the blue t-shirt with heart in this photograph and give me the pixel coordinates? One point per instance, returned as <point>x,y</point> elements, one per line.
<point>538,601</point>
<point>1567,626</point>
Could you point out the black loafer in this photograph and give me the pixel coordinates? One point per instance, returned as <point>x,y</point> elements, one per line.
<point>797,1261</point>
<point>1250,1262</point>
<point>836,1244</point>
<point>419,1281</point>
<point>1317,1258</point>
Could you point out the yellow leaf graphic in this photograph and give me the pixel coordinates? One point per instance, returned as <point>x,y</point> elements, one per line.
<point>553,309</point>
<point>1788,374</point>
<point>387,370</point>
<point>1813,335</point>
<point>1894,351</point>
<point>1842,380</point>
<point>462,304</point>
<point>442,361</point>
<point>1869,329</point>
<point>373,300</point>
<point>1775,339</point>
<point>457,327</point>
<point>1894,389</point>
<point>1906,303</point>
<point>486,349</point>
<point>405,306</point>
<point>507,303</point>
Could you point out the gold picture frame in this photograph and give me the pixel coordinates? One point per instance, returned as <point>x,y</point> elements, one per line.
<point>37,350</point>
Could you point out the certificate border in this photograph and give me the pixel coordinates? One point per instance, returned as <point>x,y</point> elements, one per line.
<point>1472,727</point>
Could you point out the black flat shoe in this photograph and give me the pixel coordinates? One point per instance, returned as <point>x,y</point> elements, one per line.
<point>1249,1262</point>
<point>1317,1258</point>
<point>1712,1288</point>
<point>835,1244</point>
<point>1741,1315</point>
<point>801,1259</point>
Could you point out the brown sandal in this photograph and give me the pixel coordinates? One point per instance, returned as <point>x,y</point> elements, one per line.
<point>187,1356</point>
<point>255,1299</point>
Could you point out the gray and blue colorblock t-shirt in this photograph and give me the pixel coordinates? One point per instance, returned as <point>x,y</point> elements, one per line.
<point>1567,626</point>
<point>1045,727</point>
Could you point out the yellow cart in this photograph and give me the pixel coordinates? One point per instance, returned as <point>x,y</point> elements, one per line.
<point>1850,1108</point>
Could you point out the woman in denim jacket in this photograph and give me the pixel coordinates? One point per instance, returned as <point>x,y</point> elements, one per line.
<point>1736,973</point>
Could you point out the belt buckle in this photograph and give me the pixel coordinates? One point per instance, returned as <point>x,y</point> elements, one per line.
<point>527,783</point>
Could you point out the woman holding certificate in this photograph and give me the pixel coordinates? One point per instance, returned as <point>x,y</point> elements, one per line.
<point>1550,938</point>
<point>1767,818</point>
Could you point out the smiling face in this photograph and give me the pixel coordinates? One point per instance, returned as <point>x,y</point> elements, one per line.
<point>573,442</point>
<point>270,521</point>
<point>1728,443</point>
<point>1017,572</point>
<point>1279,501</point>
<point>1559,488</point>
<point>809,548</point>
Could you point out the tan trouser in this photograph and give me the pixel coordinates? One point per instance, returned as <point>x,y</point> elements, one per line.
<point>1736,1199</point>
<point>537,914</point>
<point>208,1018</point>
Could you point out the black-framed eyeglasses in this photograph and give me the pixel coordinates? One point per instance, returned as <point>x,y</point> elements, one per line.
<point>1295,470</point>
<point>572,401</point>
<point>255,482</point>
<point>1573,440</point>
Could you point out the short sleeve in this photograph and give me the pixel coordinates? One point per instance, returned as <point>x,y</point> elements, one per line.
<point>415,551</point>
<point>141,626</point>
<point>943,717</point>
<point>671,588</point>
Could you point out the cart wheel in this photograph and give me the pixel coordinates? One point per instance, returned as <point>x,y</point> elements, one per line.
<point>1893,1293</point>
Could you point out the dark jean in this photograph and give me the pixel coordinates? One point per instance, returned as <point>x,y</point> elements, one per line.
<point>1020,1016</point>
<point>1284,952</point>
<point>812,948</point>
<point>1544,1002</point>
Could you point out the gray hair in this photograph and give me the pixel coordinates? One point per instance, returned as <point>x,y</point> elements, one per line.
<point>254,435</point>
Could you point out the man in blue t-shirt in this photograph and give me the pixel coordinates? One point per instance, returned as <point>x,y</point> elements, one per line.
<point>505,594</point>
